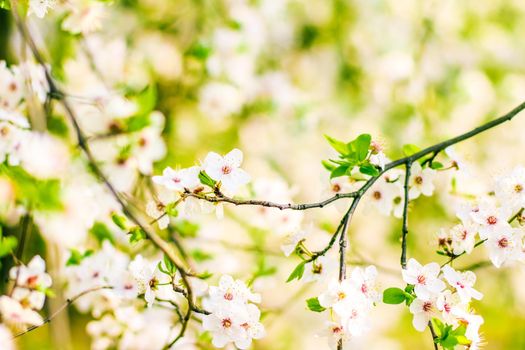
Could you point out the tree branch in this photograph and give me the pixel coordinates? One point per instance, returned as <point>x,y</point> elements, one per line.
<point>404,230</point>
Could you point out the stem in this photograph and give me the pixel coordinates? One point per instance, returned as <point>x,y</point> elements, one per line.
<point>64,306</point>
<point>404,229</point>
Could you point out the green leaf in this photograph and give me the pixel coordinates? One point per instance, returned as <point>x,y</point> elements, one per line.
<point>313,305</point>
<point>297,273</point>
<point>200,255</point>
<point>76,257</point>
<point>339,146</point>
<point>43,195</point>
<point>171,209</point>
<point>410,149</point>
<point>7,245</point>
<point>119,220</point>
<point>361,145</point>
<point>4,4</point>
<point>339,171</point>
<point>328,166</point>
<point>57,126</point>
<point>436,165</point>
<point>136,235</point>
<point>200,51</point>
<point>394,296</point>
<point>369,169</point>
<point>206,179</point>
<point>102,232</point>
<point>186,229</point>
<point>170,266</point>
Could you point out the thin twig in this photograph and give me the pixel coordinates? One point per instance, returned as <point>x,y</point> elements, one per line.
<point>404,230</point>
<point>64,306</point>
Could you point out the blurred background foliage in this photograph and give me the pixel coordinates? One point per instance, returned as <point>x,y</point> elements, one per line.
<point>404,71</point>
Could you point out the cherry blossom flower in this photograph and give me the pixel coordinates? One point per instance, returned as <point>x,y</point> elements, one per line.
<point>423,311</point>
<point>226,170</point>
<point>319,270</point>
<point>364,280</point>
<point>40,7</point>
<point>491,218</point>
<point>233,319</point>
<point>220,100</point>
<point>292,240</point>
<point>424,278</point>
<point>421,181</point>
<point>447,302</point>
<point>337,293</point>
<point>31,281</point>
<point>6,338</point>
<point>230,290</point>
<point>473,323</point>
<point>178,180</point>
<point>15,314</point>
<point>504,246</point>
<point>510,189</point>
<point>382,195</point>
<point>463,282</point>
<point>463,239</point>
<point>84,18</point>
<point>334,332</point>
<point>151,281</point>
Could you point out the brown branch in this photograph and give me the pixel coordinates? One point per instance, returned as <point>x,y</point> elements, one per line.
<point>404,230</point>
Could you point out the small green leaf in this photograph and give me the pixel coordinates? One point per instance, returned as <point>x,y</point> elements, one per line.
<point>297,273</point>
<point>4,4</point>
<point>57,125</point>
<point>170,266</point>
<point>328,166</point>
<point>119,220</point>
<point>171,209</point>
<point>206,179</point>
<point>436,165</point>
<point>186,229</point>
<point>7,245</point>
<point>361,145</point>
<point>410,149</point>
<point>313,305</point>
<point>369,169</point>
<point>339,146</point>
<point>200,256</point>
<point>393,296</point>
<point>136,235</point>
<point>76,257</point>
<point>339,171</point>
<point>102,232</point>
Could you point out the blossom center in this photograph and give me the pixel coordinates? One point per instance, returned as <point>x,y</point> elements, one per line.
<point>377,195</point>
<point>341,296</point>
<point>336,188</point>
<point>226,323</point>
<point>421,279</point>
<point>492,220</point>
<point>418,180</point>
<point>228,296</point>
<point>226,169</point>
<point>427,306</point>
<point>518,188</point>
<point>503,243</point>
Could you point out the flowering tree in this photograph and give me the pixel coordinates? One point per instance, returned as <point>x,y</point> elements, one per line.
<point>97,216</point>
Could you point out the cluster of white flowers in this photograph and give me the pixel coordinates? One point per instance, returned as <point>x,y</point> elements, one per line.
<point>19,309</point>
<point>224,170</point>
<point>351,301</point>
<point>449,302</point>
<point>114,283</point>
<point>234,318</point>
<point>492,219</point>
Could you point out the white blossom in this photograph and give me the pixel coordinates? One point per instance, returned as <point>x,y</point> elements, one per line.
<point>226,170</point>
<point>463,282</point>
<point>421,181</point>
<point>424,278</point>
